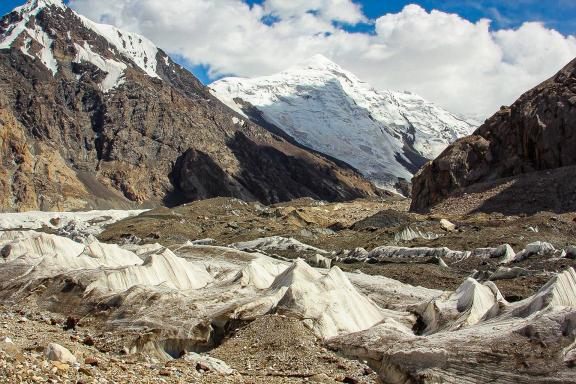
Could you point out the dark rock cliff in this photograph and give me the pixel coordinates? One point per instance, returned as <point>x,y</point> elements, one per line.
<point>538,132</point>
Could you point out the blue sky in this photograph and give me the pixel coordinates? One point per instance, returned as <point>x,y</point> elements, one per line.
<point>556,14</point>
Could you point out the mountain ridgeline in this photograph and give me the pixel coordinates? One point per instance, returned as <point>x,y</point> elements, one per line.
<point>95,117</point>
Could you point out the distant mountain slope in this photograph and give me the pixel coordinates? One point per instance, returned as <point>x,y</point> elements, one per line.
<point>537,133</point>
<point>92,116</point>
<point>386,135</point>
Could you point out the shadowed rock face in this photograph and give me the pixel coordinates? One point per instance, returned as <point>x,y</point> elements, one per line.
<point>536,133</point>
<point>66,144</point>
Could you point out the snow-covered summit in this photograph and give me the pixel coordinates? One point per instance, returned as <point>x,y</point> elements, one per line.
<point>36,41</point>
<point>385,134</point>
<point>37,5</point>
<point>318,61</point>
<point>138,48</point>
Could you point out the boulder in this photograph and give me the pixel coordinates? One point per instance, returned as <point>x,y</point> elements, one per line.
<point>56,352</point>
<point>571,252</point>
<point>447,225</point>
<point>8,347</point>
<point>207,363</point>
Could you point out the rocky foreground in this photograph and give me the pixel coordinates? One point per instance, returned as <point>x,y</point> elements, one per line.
<point>82,356</point>
<point>226,291</point>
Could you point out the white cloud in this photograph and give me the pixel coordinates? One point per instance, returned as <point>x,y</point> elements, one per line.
<point>337,10</point>
<point>463,66</point>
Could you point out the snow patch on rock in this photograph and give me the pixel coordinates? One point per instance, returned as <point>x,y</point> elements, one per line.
<point>114,69</point>
<point>33,31</point>
<point>135,47</point>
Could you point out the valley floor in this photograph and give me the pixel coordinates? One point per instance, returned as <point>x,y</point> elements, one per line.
<point>224,291</point>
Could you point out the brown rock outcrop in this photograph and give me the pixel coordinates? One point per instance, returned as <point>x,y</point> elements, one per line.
<point>536,133</point>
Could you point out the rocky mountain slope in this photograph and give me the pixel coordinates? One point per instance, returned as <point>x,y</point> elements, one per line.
<point>534,138</point>
<point>386,135</point>
<point>92,116</point>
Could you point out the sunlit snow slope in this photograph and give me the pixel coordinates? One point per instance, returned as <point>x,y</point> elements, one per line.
<point>384,134</point>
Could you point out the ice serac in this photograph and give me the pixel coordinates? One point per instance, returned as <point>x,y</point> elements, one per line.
<point>560,291</point>
<point>159,270</point>
<point>328,303</point>
<point>385,134</point>
<point>468,305</point>
<point>48,254</point>
<point>110,121</point>
<point>467,326</point>
<point>276,243</point>
<point>260,273</point>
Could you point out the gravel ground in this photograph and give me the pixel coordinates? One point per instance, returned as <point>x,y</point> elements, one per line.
<point>273,349</point>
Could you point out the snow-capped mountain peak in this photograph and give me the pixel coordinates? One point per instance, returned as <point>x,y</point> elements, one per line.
<point>318,61</point>
<point>385,134</point>
<point>138,48</point>
<point>36,5</point>
<point>22,29</point>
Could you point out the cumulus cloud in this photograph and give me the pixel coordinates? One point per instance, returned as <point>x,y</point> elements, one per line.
<point>337,10</point>
<point>466,67</point>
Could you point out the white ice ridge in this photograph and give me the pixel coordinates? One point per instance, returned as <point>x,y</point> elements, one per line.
<point>328,303</point>
<point>276,243</point>
<point>389,251</point>
<point>48,254</point>
<point>87,222</point>
<point>330,110</point>
<point>114,69</point>
<point>560,291</point>
<point>162,270</point>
